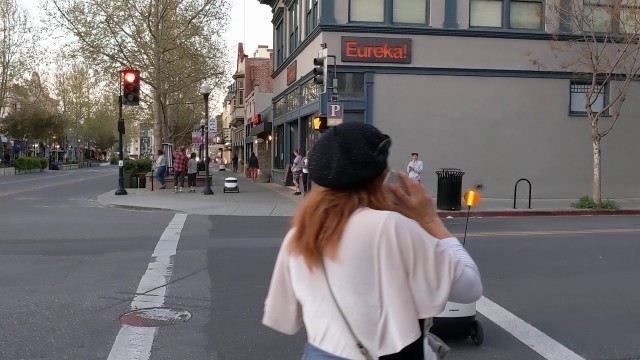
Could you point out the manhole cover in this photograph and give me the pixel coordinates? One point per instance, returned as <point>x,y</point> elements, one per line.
<point>152,317</point>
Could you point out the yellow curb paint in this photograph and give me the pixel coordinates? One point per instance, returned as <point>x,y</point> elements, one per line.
<point>556,232</point>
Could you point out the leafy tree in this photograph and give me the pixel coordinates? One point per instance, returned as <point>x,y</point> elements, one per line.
<point>598,42</point>
<point>17,47</point>
<point>35,117</point>
<point>176,44</point>
<point>101,126</point>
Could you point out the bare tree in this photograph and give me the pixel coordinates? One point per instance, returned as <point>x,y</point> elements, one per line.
<point>597,40</point>
<point>17,42</point>
<point>177,44</point>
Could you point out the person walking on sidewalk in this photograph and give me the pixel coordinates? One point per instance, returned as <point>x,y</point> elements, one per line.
<point>306,182</point>
<point>161,169</point>
<point>414,169</point>
<point>180,164</point>
<point>192,170</point>
<point>379,272</point>
<point>234,163</point>
<point>296,170</point>
<point>253,166</point>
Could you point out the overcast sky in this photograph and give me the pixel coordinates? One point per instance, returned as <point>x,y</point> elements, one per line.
<point>250,23</point>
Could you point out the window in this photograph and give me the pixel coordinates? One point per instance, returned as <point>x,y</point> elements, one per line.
<point>400,11</point>
<point>292,100</point>
<point>240,97</point>
<point>351,85</point>
<point>293,26</point>
<point>312,16</point>
<point>612,15</point>
<point>279,107</point>
<point>366,10</point>
<point>309,92</point>
<point>410,11</point>
<point>511,14</point>
<point>279,44</point>
<point>579,94</point>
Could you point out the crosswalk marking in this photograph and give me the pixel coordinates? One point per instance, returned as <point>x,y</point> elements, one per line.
<point>134,343</point>
<point>529,335</point>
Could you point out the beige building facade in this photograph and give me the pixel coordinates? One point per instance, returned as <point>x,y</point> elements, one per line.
<point>459,82</point>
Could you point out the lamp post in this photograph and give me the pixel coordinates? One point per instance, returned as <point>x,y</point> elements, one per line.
<point>202,124</point>
<point>205,90</point>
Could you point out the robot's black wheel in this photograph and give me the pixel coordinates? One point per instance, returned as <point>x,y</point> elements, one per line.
<point>477,333</point>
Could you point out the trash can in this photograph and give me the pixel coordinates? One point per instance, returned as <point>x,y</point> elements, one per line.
<point>449,189</point>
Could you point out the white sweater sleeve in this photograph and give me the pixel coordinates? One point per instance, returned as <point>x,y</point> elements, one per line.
<point>468,287</point>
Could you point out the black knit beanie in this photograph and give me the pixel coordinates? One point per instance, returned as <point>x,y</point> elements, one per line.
<point>348,155</point>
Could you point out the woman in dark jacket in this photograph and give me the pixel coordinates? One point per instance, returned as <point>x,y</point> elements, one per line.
<point>253,166</point>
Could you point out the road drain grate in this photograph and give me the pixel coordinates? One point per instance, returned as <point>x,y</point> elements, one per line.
<point>153,317</point>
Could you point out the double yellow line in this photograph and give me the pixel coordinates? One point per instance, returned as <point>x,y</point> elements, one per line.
<point>550,232</point>
<point>14,192</point>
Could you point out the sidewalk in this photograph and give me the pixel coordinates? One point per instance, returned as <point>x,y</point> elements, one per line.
<point>269,199</point>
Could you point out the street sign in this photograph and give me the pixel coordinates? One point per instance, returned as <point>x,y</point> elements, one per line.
<point>213,126</point>
<point>120,163</point>
<point>335,111</point>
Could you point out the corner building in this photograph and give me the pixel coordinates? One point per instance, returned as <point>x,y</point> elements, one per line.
<point>455,81</point>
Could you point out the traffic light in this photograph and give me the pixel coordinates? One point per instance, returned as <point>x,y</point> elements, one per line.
<point>320,70</point>
<point>320,123</point>
<point>131,87</point>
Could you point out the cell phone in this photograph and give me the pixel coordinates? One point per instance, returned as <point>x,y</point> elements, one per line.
<point>392,178</point>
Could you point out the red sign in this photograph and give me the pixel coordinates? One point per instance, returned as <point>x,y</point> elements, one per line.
<point>256,119</point>
<point>378,50</point>
<point>291,72</point>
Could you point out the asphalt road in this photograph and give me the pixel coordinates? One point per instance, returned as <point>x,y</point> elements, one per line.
<point>69,269</point>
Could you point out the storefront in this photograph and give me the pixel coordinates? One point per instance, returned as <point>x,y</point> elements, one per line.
<point>446,81</point>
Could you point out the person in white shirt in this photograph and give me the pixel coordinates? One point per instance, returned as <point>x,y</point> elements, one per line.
<point>354,267</point>
<point>306,183</point>
<point>161,169</point>
<point>192,171</point>
<point>414,169</point>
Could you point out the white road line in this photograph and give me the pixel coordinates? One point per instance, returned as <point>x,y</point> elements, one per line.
<point>529,335</point>
<point>134,343</point>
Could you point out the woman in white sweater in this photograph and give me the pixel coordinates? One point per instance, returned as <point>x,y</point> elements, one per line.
<point>362,274</point>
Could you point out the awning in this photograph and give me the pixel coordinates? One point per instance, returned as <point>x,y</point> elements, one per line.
<point>260,129</point>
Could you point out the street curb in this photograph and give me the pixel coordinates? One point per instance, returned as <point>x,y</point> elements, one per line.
<point>522,213</point>
<point>139,208</point>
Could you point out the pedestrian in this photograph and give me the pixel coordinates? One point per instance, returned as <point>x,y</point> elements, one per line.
<point>253,166</point>
<point>414,169</point>
<point>306,182</point>
<point>161,169</point>
<point>296,170</point>
<point>356,269</point>
<point>180,164</point>
<point>192,170</point>
<point>234,163</point>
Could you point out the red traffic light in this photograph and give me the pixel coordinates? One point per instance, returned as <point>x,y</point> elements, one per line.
<point>131,87</point>
<point>130,76</point>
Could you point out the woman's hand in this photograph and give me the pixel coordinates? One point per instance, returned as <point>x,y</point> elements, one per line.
<point>416,203</point>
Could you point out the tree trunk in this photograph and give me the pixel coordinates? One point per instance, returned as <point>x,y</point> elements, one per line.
<point>597,182</point>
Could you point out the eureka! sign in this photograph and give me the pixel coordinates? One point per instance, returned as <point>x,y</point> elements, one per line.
<point>377,50</point>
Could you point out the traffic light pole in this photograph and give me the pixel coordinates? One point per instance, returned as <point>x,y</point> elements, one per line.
<point>207,180</point>
<point>120,190</point>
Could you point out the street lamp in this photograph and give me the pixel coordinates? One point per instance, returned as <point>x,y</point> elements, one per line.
<point>205,90</point>
<point>202,123</point>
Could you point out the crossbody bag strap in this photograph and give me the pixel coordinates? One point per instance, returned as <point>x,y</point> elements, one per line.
<point>363,350</point>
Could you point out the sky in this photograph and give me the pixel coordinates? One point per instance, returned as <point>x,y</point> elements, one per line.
<point>250,24</point>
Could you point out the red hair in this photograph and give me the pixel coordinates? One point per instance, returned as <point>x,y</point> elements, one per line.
<point>324,213</point>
